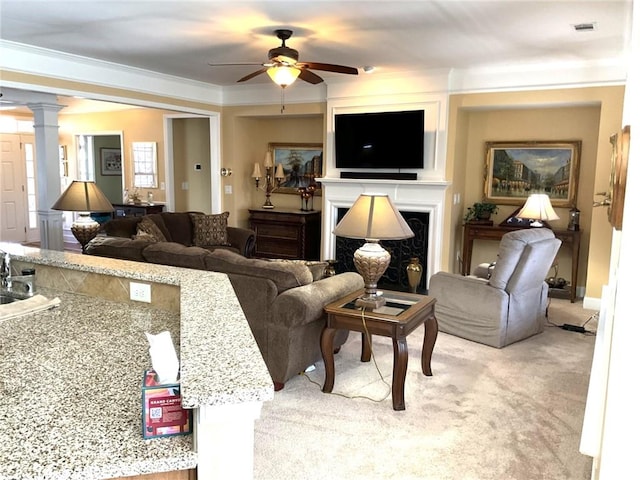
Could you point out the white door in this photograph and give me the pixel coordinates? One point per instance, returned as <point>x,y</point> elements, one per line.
<point>13,208</point>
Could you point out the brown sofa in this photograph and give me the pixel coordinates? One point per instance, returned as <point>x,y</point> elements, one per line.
<point>120,239</point>
<point>283,301</point>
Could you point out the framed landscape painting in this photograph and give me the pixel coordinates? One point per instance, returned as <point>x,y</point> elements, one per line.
<point>302,163</point>
<point>515,170</point>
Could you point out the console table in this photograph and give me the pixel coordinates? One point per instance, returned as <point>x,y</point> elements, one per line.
<point>569,239</point>
<point>136,209</point>
<point>288,234</point>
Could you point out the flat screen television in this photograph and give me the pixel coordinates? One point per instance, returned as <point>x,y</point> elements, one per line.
<point>379,140</point>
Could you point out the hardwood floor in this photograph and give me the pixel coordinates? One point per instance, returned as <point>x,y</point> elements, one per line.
<point>70,243</point>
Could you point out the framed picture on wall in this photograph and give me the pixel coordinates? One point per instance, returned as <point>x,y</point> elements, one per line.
<point>515,170</point>
<point>302,162</point>
<point>110,161</point>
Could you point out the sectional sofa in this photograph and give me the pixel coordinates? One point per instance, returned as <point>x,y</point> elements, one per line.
<point>283,301</point>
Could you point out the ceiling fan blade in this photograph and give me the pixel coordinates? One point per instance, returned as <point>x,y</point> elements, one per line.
<point>254,74</point>
<point>233,64</point>
<point>328,67</point>
<point>309,76</point>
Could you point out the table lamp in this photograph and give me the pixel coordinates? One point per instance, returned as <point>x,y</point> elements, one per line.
<point>84,198</point>
<point>538,208</point>
<point>373,218</point>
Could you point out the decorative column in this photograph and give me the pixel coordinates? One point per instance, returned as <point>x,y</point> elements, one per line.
<point>45,116</point>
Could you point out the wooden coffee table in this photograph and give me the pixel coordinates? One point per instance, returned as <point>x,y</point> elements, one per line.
<point>402,314</point>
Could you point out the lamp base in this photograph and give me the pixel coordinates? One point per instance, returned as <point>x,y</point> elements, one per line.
<point>371,261</point>
<point>267,202</point>
<point>85,229</point>
<point>370,302</point>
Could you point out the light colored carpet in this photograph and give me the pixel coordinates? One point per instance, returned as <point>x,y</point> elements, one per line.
<point>514,413</point>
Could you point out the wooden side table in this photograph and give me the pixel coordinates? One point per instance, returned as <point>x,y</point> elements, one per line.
<point>403,313</point>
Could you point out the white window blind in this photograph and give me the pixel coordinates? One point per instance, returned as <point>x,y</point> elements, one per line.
<point>145,165</point>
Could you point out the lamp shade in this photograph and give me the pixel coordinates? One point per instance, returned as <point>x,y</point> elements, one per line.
<point>83,197</point>
<point>268,160</point>
<point>373,216</point>
<point>256,171</point>
<point>538,207</point>
<point>283,75</point>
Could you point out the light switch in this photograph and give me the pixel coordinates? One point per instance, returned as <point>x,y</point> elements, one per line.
<point>185,185</point>
<point>228,189</point>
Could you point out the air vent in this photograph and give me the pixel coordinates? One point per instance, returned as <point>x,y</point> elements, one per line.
<point>584,27</point>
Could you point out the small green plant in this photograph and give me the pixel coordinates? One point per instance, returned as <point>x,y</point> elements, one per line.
<point>480,211</point>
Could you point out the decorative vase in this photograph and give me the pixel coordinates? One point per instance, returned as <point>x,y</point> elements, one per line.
<point>330,269</point>
<point>414,273</point>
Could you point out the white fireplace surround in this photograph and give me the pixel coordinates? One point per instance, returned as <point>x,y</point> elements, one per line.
<point>407,195</point>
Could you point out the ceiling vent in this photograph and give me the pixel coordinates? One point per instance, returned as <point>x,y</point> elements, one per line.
<point>584,27</point>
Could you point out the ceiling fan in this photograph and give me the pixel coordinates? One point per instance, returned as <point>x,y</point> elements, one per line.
<point>283,66</point>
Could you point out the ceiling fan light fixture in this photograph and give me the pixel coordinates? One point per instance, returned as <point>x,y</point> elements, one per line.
<point>283,75</point>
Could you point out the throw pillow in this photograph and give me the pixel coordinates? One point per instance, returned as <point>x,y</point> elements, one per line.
<point>149,227</point>
<point>147,237</point>
<point>209,230</point>
<point>317,268</point>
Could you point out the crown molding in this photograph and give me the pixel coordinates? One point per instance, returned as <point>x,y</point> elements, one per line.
<point>539,76</point>
<point>32,60</point>
<point>52,64</point>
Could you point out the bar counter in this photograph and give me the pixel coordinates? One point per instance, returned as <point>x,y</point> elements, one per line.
<point>70,378</point>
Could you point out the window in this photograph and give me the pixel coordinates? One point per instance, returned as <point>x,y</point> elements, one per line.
<point>32,206</point>
<point>145,165</point>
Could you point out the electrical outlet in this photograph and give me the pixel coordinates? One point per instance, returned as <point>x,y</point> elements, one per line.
<point>140,292</point>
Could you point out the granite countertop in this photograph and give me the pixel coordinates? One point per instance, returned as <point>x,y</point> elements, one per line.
<point>70,378</point>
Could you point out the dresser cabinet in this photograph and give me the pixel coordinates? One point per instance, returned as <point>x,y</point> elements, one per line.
<point>136,210</point>
<point>288,234</point>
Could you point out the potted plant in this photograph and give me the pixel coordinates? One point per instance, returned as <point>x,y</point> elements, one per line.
<point>480,211</point>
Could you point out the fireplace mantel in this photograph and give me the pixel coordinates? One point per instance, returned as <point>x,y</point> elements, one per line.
<point>407,195</point>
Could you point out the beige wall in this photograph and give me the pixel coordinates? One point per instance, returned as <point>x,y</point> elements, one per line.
<point>247,132</point>
<point>587,114</point>
<point>137,125</point>
<point>191,146</point>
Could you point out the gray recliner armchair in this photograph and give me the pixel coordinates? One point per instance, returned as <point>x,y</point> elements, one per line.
<point>508,306</point>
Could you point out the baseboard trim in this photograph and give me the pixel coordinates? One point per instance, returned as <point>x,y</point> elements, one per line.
<point>591,303</point>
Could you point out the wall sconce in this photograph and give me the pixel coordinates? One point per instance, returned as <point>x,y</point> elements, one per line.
<point>271,182</point>
<point>226,172</point>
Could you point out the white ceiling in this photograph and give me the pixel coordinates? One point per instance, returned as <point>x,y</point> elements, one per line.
<point>180,38</point>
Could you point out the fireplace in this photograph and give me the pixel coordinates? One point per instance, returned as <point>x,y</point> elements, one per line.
<point>395,278</point>
<point>421,202</point>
